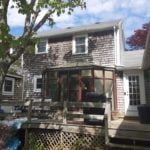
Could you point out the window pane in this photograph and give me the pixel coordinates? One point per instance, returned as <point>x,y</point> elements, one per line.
<point>53,88</point>
<point>109,74</point>
<point>64,87</point>
<point>86,73</point>
<point>75,88</point>
<point>39,83</point>
<point>80,40</point>
<point>109,88</point>
<point>98,86</point>
<point>42,46</point>
<point>8,86</point>
<point>98,73</point>
<point>80,48</point>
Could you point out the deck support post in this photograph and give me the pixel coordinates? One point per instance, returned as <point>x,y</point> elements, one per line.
<point>26,145</point>
<point>107,119</point>
<point>65,112</point>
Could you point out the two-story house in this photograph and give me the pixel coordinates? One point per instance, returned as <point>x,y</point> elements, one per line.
<point>72,62</point>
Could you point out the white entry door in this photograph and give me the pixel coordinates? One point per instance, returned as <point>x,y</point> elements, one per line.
<point>134,91</point>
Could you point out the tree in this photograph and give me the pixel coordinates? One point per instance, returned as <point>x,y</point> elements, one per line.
<point>138,39</point>
<point>31,9</point>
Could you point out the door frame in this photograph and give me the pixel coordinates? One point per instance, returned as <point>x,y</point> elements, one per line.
<point>142,90</point>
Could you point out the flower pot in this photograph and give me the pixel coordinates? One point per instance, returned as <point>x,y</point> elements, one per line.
<point>144,113</point>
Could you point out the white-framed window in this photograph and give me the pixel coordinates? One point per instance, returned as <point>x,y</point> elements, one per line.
<point>8,86</point>
<point>41,46</point>
<point>80,44</point>
<point>37,83</point>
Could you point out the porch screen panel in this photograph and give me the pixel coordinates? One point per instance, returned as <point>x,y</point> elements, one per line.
<point>134,90</point>
<point>75,86</point>
<point>109,91</point>
<point>53,86</point>
<point>99,82</point>
<point>63,82</point>
<point>52,89</point>
<point>99,86</point>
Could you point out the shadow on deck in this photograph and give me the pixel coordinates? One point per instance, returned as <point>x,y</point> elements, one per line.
<point>129,134</point>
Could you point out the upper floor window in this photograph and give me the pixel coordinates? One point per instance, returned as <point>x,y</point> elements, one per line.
<point>8,86</point>
<point>37,83</point>
<point>41,46</point>
<point>80,44</point>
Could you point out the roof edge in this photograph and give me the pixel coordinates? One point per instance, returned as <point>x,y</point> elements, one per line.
<point>102,26</point>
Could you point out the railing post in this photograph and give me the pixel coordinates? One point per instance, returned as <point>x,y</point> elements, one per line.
<point>26,145</point>
<point>107,120</point>
<point>65,112</point>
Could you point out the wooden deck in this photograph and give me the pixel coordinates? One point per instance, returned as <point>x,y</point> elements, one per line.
<point>73,123</point>
<point>74,128</point>
<point>129,129</point>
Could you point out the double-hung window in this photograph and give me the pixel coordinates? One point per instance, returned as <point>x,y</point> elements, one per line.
<point>41,46</point>
<point>8,86</point>
<point>37,83</point>
<point>80,44</point>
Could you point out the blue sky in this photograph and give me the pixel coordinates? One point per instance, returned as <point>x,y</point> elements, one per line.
<point>133,13</point>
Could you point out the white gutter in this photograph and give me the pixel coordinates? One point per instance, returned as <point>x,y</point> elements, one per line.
<point>115,44</point>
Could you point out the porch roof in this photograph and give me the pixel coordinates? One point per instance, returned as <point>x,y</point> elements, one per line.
<point>77,66</point>
<point>133,59</point>
<point>14,75</point>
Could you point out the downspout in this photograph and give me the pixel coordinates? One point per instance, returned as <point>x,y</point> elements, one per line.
<point>115,47</point>
<point>116,63</point>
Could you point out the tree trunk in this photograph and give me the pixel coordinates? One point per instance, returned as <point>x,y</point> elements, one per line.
<point>2,78</point>
<point>4,70</point>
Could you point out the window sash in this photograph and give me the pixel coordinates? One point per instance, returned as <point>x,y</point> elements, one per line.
<point>80,44</point>
<point>37,84</point>
<point>8,86</point>
<point>41,46</point>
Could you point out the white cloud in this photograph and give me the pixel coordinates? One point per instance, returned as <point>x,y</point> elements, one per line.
<point>133,12</point>
<point>14,18</point>
<point>99,6</point>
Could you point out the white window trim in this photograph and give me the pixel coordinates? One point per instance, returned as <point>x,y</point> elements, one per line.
<point>46,50</point>
<point>35,83</point>
<point>13,84</point>
<point>74,44</point>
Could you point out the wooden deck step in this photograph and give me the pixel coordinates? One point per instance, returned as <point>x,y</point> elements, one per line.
<point>129,129</point>
<point>130,134</point>
<point>129,147</point>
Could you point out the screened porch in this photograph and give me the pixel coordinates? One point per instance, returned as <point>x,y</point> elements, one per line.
<point>79,91</point>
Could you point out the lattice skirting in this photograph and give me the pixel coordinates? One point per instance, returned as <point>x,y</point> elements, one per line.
<point>60,140</point>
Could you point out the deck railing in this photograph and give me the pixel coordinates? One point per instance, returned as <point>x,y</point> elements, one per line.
<point>63,112</point>
<point>60,112</point>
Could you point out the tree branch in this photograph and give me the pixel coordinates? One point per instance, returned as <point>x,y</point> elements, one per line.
<point>28,17</point>
<point>43,20</point>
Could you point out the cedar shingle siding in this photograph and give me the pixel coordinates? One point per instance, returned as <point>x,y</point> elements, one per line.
<point>17,91</point>
<point>147,85</point>
<point>100,51</point>
<point>120,91</point>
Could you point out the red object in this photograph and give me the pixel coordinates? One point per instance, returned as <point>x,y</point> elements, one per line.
<point>138,39</point>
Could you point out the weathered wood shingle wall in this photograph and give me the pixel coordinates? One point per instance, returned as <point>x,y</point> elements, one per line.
<point>147,85</point>
<point>17,91</point>
<point>100,51</point>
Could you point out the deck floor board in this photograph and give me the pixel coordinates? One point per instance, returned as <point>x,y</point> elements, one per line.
<point>129,129</point>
